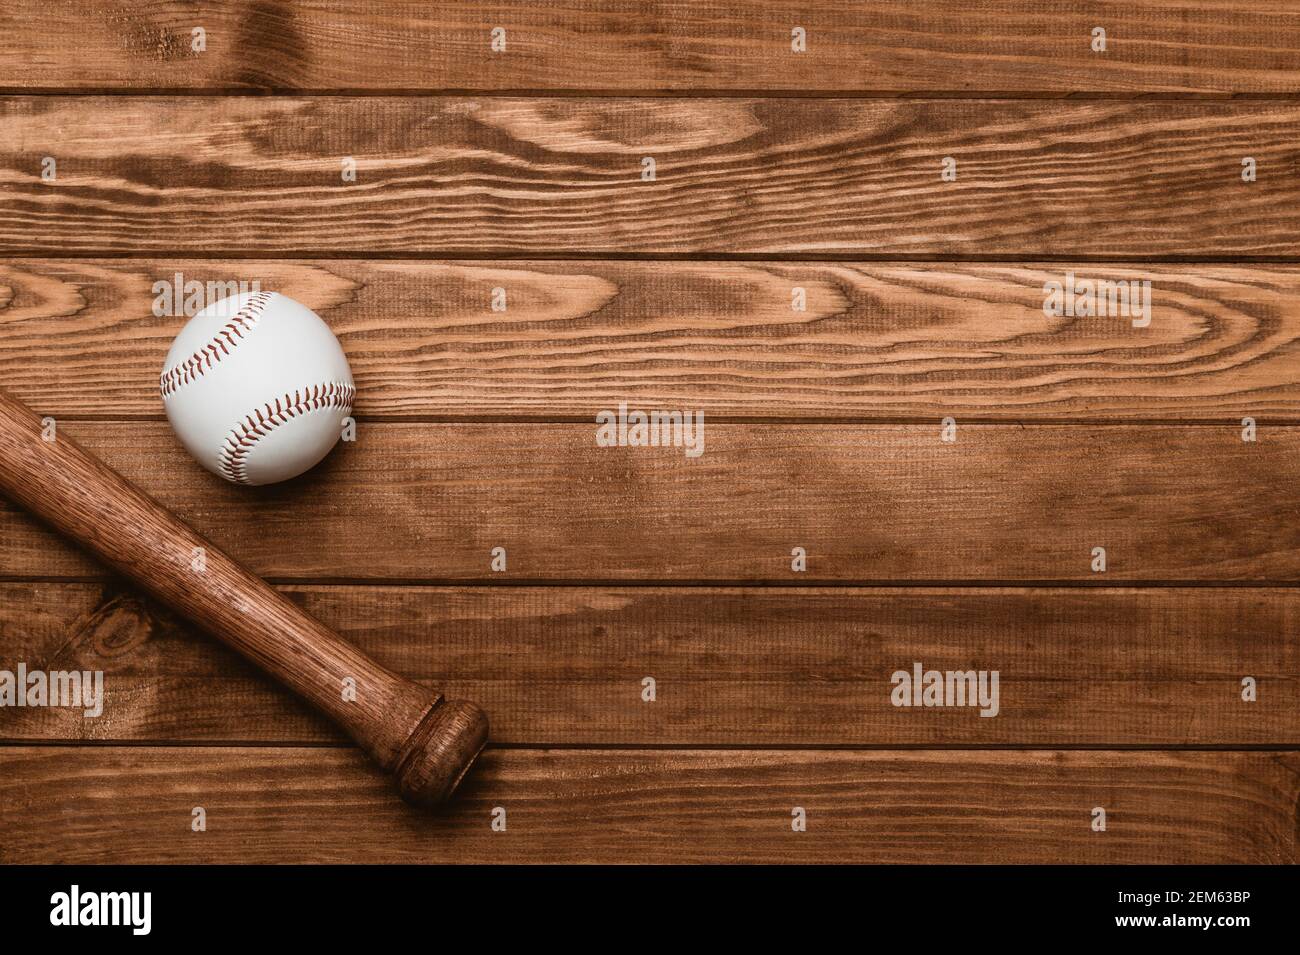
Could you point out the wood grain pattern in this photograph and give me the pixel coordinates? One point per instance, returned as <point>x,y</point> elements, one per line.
<point>100,804</point>
<point>428,502</point>
<point>883,340</point>
<point>523,170</point>
<point>519,175</point>
<point>424,740</point>
<point>1210,46</point>
<point>776,667</point>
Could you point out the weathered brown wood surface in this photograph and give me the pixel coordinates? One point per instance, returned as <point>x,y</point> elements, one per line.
<point>536,175</point>
<point>868,503</point>
<point>732,666</point>
<point>425,740</point>
<point>94,804</point>
<point>522,170</point>
<point>1183,46</point>
<point>877,340</point>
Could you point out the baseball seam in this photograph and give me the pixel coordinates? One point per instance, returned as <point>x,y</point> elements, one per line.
<point>244,321</point>
<point>232,460</point>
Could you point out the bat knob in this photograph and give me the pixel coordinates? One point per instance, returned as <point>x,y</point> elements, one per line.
<point>440,752</point>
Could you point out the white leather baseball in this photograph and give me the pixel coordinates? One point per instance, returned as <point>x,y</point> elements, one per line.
<point>256,386</point>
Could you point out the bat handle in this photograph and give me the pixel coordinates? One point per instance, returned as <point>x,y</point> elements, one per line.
<point>427,742</point>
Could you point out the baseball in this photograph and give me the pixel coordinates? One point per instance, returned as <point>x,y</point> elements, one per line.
<point>256,386</point>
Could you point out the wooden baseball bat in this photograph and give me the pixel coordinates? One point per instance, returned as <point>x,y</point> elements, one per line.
<point>427,742</point>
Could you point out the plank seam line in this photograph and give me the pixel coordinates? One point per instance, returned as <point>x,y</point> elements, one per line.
<point>668,583</point>
<point>680,748</point>
<point>705,257</point>
<point>1227,421</point>
<point>691,92</point>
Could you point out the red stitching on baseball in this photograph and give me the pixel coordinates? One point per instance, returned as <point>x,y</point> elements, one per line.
<point>196,365</point>
<point>232,461</point>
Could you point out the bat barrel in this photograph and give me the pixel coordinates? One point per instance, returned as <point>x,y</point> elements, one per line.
<point>409,729</point>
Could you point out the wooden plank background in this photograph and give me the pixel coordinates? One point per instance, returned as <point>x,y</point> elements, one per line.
<point>774,171</point>
<point>81,804</point>
<point>877,341</point>
<point>417,502</point>
<point>676,46</point>
<point>737,666</point>
<point>536,175</point>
